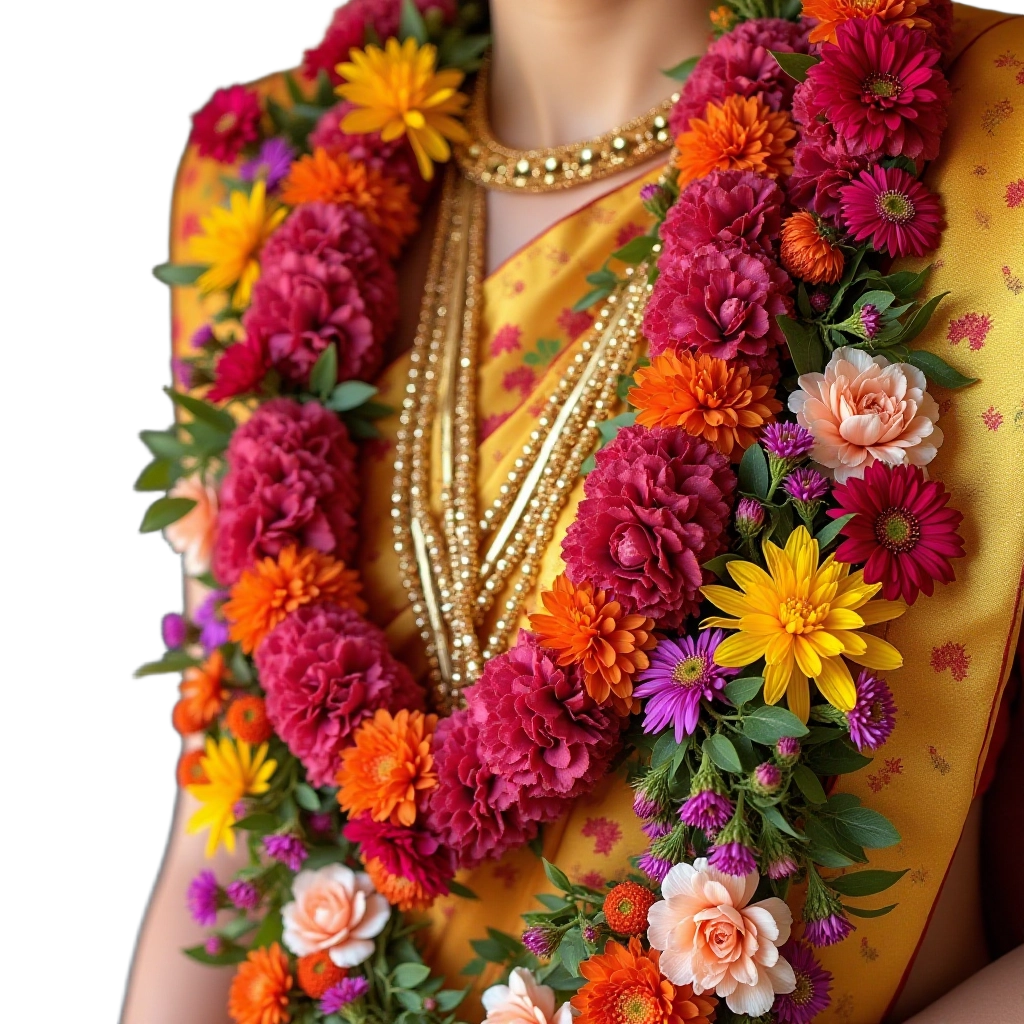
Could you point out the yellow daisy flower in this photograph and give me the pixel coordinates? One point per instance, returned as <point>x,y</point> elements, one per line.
<point>234,771</point>
<point>231,240</point>
<point>398,91</point>
<point>803,619</point>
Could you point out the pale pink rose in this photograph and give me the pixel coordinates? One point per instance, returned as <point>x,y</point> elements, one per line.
<point>192,535</point>
<point>336,909</point>
<point>523,1001</point>
<point>863,410</point>
<point>712,939</point>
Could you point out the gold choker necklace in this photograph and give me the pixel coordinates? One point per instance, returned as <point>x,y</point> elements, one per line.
<point>487,162</point>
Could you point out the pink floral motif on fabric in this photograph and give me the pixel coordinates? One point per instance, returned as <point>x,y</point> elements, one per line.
<point>605,833</point>
<point>506,339</point>
<point>973,327</point>
<point>952,656</point>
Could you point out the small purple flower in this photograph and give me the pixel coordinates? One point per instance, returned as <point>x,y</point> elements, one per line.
<point>806,485</point>
<point>828,930</point>
<point>733,859</point>
<point>202,337</point>
<point>749,515</point>
<point>202,896</point>
<point>287,849</point>
<point>243,895</point>
<point>320,823</point>
<point>181,370</point>
<point>781,868</point>
<point>787,441</point>
<point>272,163</point>
<point>811,994</point>
<point>644,806</point>
<point>542,940</point>
<point>214,945</point>
<point>870,320</point>
<point>655,829</point>
<point>787,749</point>
<point>707,810</point>
<point>681,672</point>
<point>767,777</point>
<point>214,631</point>
<point>173,629</point>
<point>874,715</point>
<point>655,868</point>
<point>590,933</point>
<point>348,990</point>
<point>649,191</point>
<point>820,301</point>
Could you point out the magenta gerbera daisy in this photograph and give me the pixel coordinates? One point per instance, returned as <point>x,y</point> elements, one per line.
<point>881,89</point>
<point>902,529</point>
<point>228,123</point>
<point>811,994</point>
<point>894,210</point>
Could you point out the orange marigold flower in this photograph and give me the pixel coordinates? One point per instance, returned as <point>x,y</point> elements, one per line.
<point>405,893</point>
<point>809,249</point>
<point>625,908</point>
<point>274,587</point>
<point>722,18</point>
<point>247,720</point>
<point>388,766</point>
<point>739,133</point>
<point>259,990</point>
<point>337,178</point>
<point>202,695</point>
<point>190,770</point>
<point>626,984</point>
<point>591,631</point>
<point>832,13</point>
<point>706,396</point>
<point>317,972</point>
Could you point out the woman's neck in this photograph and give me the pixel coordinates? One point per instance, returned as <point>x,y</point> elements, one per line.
<point>565,70</point>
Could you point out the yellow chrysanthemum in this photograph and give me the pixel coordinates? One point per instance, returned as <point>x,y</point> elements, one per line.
<point>234,771</point>
<point>231,241</point>
<point>398,91</point>
<point>803,619</point>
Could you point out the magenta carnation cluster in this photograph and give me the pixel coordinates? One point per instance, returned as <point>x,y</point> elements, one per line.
<point>411,853</point>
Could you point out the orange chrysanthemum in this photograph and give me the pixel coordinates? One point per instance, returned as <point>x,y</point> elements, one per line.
<point>591,631</point>
<point>739,133</point>
<point>190,770</point>
<point>317,972</point>
<point>832,13</point>
<point>247,720</point>
<point>626,984</point>
<point>405,893</point>
<point>259,990</point>
<point>809,250</point>
<point>389,765</point>
<point>274,587</point>
<point>625,908</point>
<point>706,396</point>
<point>337,178</point>
<point>202,695</point>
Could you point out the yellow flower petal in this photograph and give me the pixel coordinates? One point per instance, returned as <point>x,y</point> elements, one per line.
<point>877,654</point>
<point>720,622</point>
<point>842,618</point>
<point>798,696</point>
<point>776,680</point>
<point>807,659</point>
<point>836,684</point>
<point>739,649</point>
<point>881,611</point>
<point>732,601</point>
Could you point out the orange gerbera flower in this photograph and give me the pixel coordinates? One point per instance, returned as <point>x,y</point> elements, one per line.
<point>405,893</point>
<point>809,250</point>
<point>737,134</point>
<point>832,13</point>
<point>273,587</point>
<point>247,720</point>
<point>626,984</point>
<point>317,972</point>
<point>706,396</point>
<point>388,766</point>
<point>259,990</point>
<point>591,631</point>
<point>337,178</point>
<point>190,770</point>
<point>202,695</point>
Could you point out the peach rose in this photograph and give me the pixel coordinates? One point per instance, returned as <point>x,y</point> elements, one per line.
<point>523,1001</point>
<point>336,909</point>
<point>711,939</point>
<point>192,535</point>
<point>864,409</point>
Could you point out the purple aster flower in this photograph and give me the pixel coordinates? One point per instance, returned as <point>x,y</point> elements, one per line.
<point>787,441</point>
<point>813,982</point>
<point>173,629</point>
<point>542,940</point>
<point>826,923</point>
<point>806,485</point>
<point>644,806</point>
<point>733,859</point>
<point>655,868</point>
<point>202,896</point>
<point>591,933</point>
<point>749,515</point>
<point>870,320</point>
<point>214,631</point>
<point>782,867</point>
<point>202,337</point>
<point>655,829</point>
<point>214,945</point>
<point>787,749</point>
<point>348,990</point>
<point>874,715</point>
<point>767,777</point>
<point>828,930</point>
<point>272,163</point>
<point>681,672</point>
<point>287,849</point>
<point>649,191</point>
<point>244,895</point>
<point>707,810</point>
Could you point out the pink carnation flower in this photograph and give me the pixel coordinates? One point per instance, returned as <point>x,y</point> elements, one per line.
<point>655,507</point>
<point>723,302</point>
<point>325,669</point>
<point>240,369</point>
<point>864,409</point>
<point>539,729</point>
<point>228,123</point>
<point>291,480</point>
<point>880,88</point>
<point>822,165</point>
<point>410,853</point>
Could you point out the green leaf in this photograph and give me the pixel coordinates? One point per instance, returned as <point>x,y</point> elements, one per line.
<point>603,278</point>
<point>448,998</point>
<point>165,511</point>
<point>412,24</point>
<point>571,950</point>
<point>159,475</point>
<point>475,966</point>
<point>410,975</point>
<point>796,65</point>
<point>836,758</point>
<point>808,784</point>
<point>665,749</point>
<point>412,1001</point>
<point>164,444</point>
<point>172,661</point>
<point>717,565</point>
<point>324,374</point>
<point>739,691</point>
<point>828,856</point>
<point>591,298</point>
<point>306,798</point>
<point>230,955</point>
<point>203,411</point>
<point>774,815</point>
<point>557,877</point>
<point>754,477</point>
<point>804,341</point>
<point>682,71</point>
<point>866,827</point>
<point>938,371</point>
<point>609,428</point>
<point>921,318</point>
<point>769,724</point>
<point>720,749</point>
<point>458,889</point>
<point>906,284</point>
<point>552,902</point>
<point>271,929</point>
<point>904,163</point>
<point>881,300</point>
<point>350,394</point>
<point>636,250</point>
<point>865,883</point>
<point>206,440</point>
<point>865,912</point>
<point>256,823</point>
<point>321,856</point>
<point>830,531</point>
<point>179,273</point>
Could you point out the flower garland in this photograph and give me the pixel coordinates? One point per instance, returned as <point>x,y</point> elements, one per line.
<point>799,144</point>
